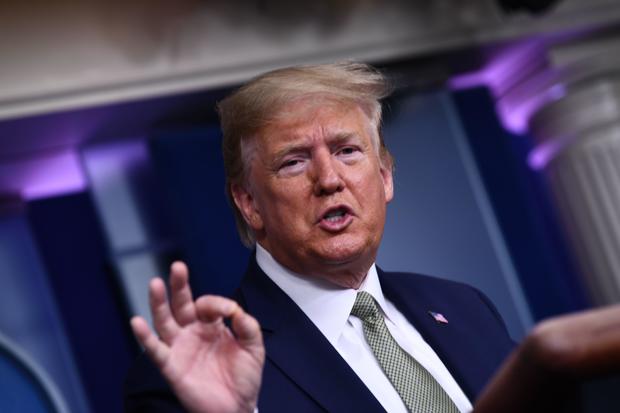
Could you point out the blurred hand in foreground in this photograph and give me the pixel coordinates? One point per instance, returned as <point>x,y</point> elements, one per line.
<point>544,373</point>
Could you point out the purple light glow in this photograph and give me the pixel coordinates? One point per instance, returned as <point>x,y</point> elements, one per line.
<point>515,114</point>
<point>520,81</point>
<point>43,177</point>
<point>505,69</point>
<point>544,153</point>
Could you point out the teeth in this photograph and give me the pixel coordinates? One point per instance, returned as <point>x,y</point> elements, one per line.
<point>334,215</point>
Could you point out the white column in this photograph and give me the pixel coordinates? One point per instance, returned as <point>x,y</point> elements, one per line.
<point>581,135</point>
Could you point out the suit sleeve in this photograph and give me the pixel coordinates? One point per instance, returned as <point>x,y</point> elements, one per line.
<point>146,391</point>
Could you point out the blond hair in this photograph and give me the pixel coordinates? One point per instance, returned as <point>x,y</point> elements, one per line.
<point>262,100</point>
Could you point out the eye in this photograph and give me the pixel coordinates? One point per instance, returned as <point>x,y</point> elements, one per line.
<point>348,151</point>
<point>291,165</point>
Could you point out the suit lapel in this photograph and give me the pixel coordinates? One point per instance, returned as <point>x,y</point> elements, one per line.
<point>299,349</point>
<point>447,340</point>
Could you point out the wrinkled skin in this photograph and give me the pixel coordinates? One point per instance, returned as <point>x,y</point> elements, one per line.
<point>320,157</point>
<point>316,199</point>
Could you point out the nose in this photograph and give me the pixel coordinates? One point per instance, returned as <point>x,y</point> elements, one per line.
<point>327,179</point>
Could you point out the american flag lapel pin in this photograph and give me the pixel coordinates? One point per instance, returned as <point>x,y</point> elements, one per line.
<point>438,317</point>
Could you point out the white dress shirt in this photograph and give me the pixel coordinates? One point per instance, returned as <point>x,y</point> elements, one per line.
<point>329,307</point>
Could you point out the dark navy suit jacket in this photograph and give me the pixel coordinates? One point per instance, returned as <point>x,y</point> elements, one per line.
<point>304,373</point>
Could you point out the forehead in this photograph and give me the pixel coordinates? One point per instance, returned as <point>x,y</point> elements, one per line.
<point>315,118</point>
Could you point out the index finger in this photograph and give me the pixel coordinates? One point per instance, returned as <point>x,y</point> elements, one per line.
<point>210,308</point>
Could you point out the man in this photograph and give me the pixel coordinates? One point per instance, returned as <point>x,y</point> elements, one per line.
<point>309,177</point>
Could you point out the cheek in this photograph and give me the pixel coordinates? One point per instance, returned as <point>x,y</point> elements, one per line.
<point>374,203</point>
<point>286,205</point>
<point>374,189</point>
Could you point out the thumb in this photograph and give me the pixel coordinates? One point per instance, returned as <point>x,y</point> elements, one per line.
<point>248,332</point>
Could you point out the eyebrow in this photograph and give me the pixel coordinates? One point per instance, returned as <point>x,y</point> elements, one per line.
<point>288,149</point>
<point>335,140</point>
<point>342,137</point>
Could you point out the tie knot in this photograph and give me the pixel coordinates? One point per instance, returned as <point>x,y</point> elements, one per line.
<point>365,307</point>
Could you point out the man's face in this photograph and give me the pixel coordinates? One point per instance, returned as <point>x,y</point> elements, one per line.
<point>317,191</point>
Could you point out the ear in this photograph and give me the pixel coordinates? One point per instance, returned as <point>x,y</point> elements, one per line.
<point>388,183</point>
<point>247,205</point>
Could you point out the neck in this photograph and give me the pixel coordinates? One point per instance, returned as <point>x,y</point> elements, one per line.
<point>349,275</point>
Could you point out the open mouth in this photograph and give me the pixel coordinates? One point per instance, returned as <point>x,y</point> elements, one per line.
<point>336,219</point>
<point>335,215</point>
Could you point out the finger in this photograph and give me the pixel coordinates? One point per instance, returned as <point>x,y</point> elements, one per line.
<point>247,330</point>
<point>181,300</point>
<point>210,308</point>
<point>164,323</point>
<point>155,348</point>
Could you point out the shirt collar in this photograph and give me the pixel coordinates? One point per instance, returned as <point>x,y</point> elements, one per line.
<point>327,305</point>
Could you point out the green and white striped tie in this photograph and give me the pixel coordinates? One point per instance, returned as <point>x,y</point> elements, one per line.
<point>416,386</point>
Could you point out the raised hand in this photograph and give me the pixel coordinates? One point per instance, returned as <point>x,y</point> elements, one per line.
<point>210,369</point>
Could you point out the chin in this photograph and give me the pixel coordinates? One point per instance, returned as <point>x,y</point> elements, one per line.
<point>347,251</point>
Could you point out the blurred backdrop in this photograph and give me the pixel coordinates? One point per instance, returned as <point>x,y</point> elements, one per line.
<point>505,127</point>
